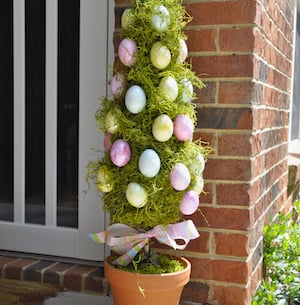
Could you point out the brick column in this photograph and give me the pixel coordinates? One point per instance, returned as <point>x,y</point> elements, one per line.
<point>243,51</point>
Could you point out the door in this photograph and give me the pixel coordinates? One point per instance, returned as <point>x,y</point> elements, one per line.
<point>54,55</point>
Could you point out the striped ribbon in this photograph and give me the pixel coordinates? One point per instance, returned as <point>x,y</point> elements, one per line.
<point>127,242</point>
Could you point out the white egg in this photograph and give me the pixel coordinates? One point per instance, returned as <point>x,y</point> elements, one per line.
<point>169,88</point>
<point>180,177</point>
<point>135,99</point>
<point>160,19</point>
<point>162,128</point>
<point>198,166</point>
<point>136,195</point>
<point>160,56</point>
<point>111,124</point>
<point>187,93</point>
<point>183,51</point>
<point>149,163</point>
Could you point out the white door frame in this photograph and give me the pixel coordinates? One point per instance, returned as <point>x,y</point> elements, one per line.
<point>96,51</point>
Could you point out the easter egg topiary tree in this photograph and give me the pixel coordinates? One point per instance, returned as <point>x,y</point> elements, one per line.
<point>151,171</point>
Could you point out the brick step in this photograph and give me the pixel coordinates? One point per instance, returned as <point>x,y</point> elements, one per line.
<point>64,276</point>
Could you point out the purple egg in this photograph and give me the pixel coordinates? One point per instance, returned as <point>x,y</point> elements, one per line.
<point>189,203</point>
<point>127,52</point>
<point>180,177</point>
<point>183,127</point>
<point>120,153</point>
<point>117,85</point>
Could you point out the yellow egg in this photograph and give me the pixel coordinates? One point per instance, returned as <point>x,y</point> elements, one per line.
<point>104,179</point>
<point>160,56</point>
<point>136,195</point>
<point>127,19</point>
<point>162,128</point>
<point>111,123</point>
<point>169,88</point>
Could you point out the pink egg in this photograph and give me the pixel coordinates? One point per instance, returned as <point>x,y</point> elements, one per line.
<point>117,85</point>
<point>180,177</point>
<point>183,127</point>
<point>189,203</point>
<point>107,141</point>
<point>120,153</point>
<point>127,52</point>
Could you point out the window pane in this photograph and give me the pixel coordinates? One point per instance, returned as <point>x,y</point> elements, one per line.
<point>35,111</point>
<point>68,107</point>
<point>6,112</point>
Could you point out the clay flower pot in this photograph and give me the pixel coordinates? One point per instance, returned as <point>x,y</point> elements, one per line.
<point>147,289</point>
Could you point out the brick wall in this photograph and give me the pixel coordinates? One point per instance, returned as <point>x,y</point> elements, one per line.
<point>243,50</point>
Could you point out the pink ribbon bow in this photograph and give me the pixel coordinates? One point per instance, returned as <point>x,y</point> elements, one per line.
<point>127,242</point>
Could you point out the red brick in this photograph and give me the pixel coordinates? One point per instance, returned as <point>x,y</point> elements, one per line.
<point>221,218</point>
<point>220,270</point>
<point>232,244</point>
<point>223,65</point>
<point>195,292</point>
<point>4,260</point>
<point>237,39</point>
<point>74,278</point>
<point>201,244</point>
<point>14,269</point>
<point>227,12</point>
<point>54,275</point>
<point>230,295</point>
<point>207,95</point>
<point>233,194</point>
<point>201,40</point>
<point>228,169</point>
<point>207,196</point>
<point>239,92</point>
<point>95,282</point>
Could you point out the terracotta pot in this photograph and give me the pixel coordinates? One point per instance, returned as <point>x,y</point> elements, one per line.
<point>147,289</point>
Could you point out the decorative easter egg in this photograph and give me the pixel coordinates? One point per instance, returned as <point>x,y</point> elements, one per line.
<point>107,141</point>
<point>160,19</point>
<point>198,184</point>
<point>180,177</point>
<point>189,203</point>
<point>160,56</point>
<point>187,93</point>
<point>127,19</point>
<point>183,51</point>
<point>183,127</point>
<point>169,88</point>
<point>149,163</point>
<point>162,128</point>
<point>127,52</point>
<point>104,179</point>
<point>111,124</point>
<point>136,195</point>
<point>120,153</point>
<point>198,166</point>
<point>135,99</point>
<point>117,85</point>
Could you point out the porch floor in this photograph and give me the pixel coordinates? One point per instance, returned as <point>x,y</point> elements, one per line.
<point>64,276</point>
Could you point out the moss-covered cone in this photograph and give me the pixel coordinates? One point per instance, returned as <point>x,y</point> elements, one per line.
<point>163,200</point>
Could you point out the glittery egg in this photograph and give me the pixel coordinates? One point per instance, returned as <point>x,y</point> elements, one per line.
<point>160,56</point>
<point>189,203</point>
<point>111,124</point>
<point>104,179</point>
<point>160,19</point>
<point>183,51</point>
<point>127,19</point>
<point>149,163</point>
<point>197,185</point>
<point>135,99</point>
<point>117,85</point>
<point>136,195</point>
<point>162,128</point>
<point>183,127</point>
<point>120,153</point>
<point>127,52</point>
<point>180,177</point>
<point>169,88</point>
<point>187,93</point>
